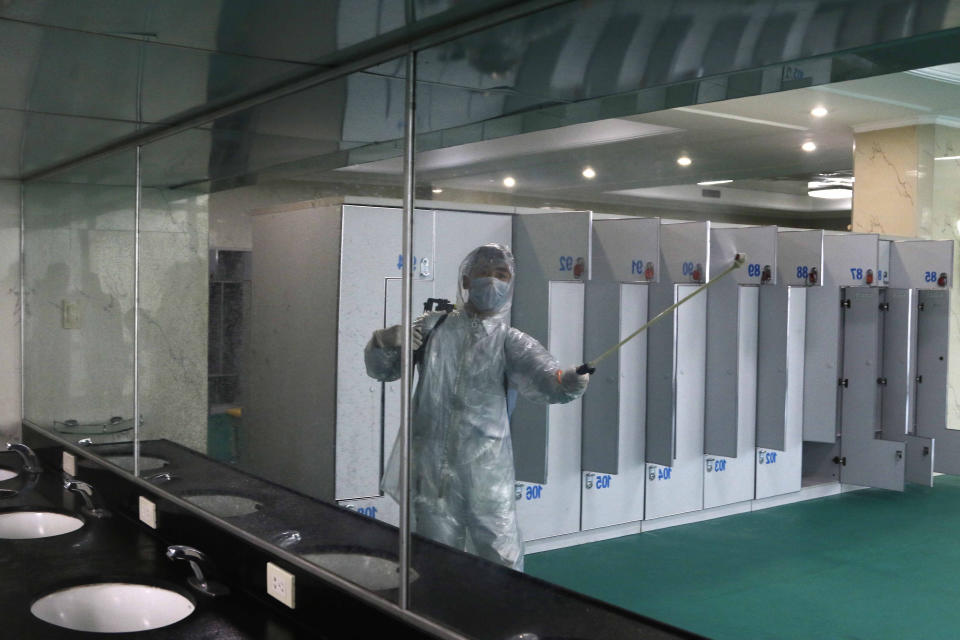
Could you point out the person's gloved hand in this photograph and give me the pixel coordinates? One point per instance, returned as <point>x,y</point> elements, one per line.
<point>573,382</point>
<point>391,337</point>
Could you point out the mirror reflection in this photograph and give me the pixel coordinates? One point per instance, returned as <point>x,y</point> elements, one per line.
<point>259,369</point>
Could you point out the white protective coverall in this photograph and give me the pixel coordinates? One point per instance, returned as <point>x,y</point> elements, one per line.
<point>462,478</point>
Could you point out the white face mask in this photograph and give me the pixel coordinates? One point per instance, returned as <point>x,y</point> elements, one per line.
<point>488,294</point>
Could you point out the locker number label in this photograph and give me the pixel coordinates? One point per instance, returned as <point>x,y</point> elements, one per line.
<point>856,273</point>
<point>803,272</point>
<point>659,473</point>
<point>754,270</point>
<point>930,276</point>
<point>766,457</point>
<point>534,492</point>
<point>601,481</point>
<point>718,465</point>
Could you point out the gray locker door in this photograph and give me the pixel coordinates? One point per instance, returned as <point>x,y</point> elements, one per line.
<point>821,365</point>
<point>661,372</point>
<point>872,463</point>
<point>899,365</point>
<point>772,368</point>
<point>601,427</point>
<point>933,341</point>
<point>860,391</point>
<point>720,416</point>
<point>920,460</point>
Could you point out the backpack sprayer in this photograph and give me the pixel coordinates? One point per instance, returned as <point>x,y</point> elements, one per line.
<point>591,365</point>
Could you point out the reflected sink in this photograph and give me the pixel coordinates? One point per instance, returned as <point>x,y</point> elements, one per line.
<point>7,474</point>
<point>376,573</point>
<point>223,505</point>
<point>23,525</point>
<point>113,607</point>
<point>147,463</point>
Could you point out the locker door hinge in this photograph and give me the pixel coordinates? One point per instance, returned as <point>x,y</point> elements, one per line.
<point>919,379</point>
<point>840,460</point>
<point>843,382</point>
<point>882,381</point>
<point>884,306</point>
<point>920,306</point>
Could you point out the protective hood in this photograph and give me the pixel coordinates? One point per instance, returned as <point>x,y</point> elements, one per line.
<point>492,299</point>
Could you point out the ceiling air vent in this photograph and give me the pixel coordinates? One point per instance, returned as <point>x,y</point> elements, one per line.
<point>710,193</point>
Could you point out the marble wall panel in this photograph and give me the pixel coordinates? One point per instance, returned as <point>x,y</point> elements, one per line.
<point>885,192</point>
<point>173,317</point>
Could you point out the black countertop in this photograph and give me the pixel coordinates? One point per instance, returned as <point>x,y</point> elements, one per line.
<point>112,549</point>
<point>473,596</point>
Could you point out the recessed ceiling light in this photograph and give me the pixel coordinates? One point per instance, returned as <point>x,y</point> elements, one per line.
<point>707,183</point>
<point>509,182</point>
<point>809,146</point>
<point>819,111</point>
<point>831,193</point>
<point>589,173</point>
<point>684,161</point>
<point>437,190</point>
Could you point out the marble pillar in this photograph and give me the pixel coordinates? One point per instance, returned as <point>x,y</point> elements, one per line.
<point>908,185</point>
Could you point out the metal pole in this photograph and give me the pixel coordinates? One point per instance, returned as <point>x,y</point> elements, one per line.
<point>406,362</point>
<point>136,319</point>
<point>23,296</point>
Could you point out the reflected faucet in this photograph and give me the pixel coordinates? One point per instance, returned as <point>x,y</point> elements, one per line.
<point>197,580</point>
<point>159,478</point>
<point>86,492</point>
<point>286,539</point>
<point>30,462</point>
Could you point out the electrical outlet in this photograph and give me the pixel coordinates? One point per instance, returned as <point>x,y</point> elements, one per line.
<point>69,464</point>
<point>148,512</point>
<point>280,584</point>
<point>71,315</point>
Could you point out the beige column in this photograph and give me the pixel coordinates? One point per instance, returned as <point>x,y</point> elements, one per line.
<point>907,184</point>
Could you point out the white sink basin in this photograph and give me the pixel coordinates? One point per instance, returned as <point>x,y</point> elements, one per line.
<point>370,572</point>
<point>147,463</point>
<point>224,505</point>
<point>7,474</point>
<point>21,525</point>
<point>113,607</point>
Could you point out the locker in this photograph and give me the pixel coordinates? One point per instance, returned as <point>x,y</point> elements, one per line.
<point>625,258</point>
<point>782,337</point>
<point>732,342</point>
<point>553,252</point>
<point>676,374</point>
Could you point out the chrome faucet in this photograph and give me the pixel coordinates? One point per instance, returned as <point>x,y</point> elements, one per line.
<point>197,580</point>
<point>30,462</point>
<point>159,478</point>
<point>86,492</point>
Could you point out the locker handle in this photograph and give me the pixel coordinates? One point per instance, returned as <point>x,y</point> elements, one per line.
<point>884,306</point>
<point>843,382</point>
<point>845,303</point>
<point>882,381</point>
<point>841,461</point>
<point>919,379</point>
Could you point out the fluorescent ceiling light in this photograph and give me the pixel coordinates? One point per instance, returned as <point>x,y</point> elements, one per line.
<point>809,146</point>
<point>437,190</point>
<point>948,158</point>
<point>509,182</point>
<point>707,183</point>
<point>731,116</point>
<point>819,111</point>
<point>589,173</point>
<point>831,193</point>
<point>684,161</point>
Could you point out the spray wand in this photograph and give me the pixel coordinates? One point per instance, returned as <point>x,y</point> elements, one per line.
<point>591,365</point>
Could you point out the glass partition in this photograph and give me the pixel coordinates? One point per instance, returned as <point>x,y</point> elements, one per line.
<point>79,271</point>
<point>266,268</point>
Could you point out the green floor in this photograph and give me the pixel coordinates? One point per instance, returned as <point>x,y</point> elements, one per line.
<point>867,565</point>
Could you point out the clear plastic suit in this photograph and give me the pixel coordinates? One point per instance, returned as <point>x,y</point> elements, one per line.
<point>462,479</point>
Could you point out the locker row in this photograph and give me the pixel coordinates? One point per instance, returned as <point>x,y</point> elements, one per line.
<point>822,360</point>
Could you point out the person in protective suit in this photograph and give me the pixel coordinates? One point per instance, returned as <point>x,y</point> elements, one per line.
<point>462,478</point>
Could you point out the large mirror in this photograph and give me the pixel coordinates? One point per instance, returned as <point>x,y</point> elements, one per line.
<point>264,248</point>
